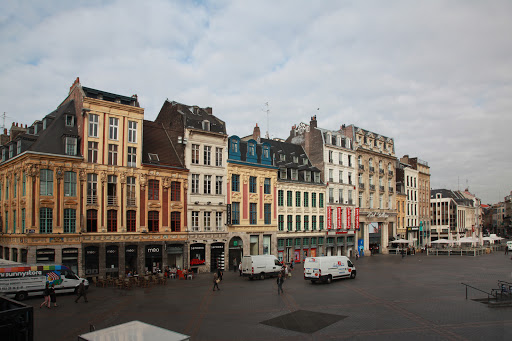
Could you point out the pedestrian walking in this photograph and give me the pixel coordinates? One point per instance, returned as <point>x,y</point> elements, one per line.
<point>81,292</point>
<point>506,249</point>
<point>240,268</point>
<point>46,294</point>
<point>357,255</point>
<point>216,281</point>
<point>53,296</point>
<point>285,271</point>
<point>280,284</point>
<point>219,274</point>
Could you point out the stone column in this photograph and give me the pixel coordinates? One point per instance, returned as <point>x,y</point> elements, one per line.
<point>102,260</point>
<point>121,259</point>
<point>366,238</point>
<point>384,238</point>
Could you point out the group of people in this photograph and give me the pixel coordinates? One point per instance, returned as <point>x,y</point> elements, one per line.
<point>50,296</point>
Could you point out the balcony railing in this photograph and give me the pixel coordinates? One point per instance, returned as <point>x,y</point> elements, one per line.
<point>361,185</point>
<point>372,187</point>
<point>372,169</point>
<point>131,202</point>
<point>331,200</point>
<point>391,190</point>
<point>361,167</point>
<point>92,199</point>
<point>112,200</point>
<point>350,202</point>
<point>381,171</point>
<point>381,188</point>
<point>390,173</point>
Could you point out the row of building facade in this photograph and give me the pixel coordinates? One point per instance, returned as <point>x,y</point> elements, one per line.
<point>95,186</point>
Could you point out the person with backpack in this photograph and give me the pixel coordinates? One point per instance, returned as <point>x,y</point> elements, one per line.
<point>81,292</point>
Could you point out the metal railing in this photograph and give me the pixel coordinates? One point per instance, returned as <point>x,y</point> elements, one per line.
<point>92,199</point>
<point>361,167</point>
<point>361,185</point>
<point>372,169</point>
<point>111,200</point>
<point>131,202</point>
<point>381,188</point>
<point>381,171</point>
<point>372,187</point>
<point>472,287</point>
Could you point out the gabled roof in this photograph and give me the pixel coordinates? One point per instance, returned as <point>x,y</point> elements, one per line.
<point>157,140</point>
<point>193,117</point>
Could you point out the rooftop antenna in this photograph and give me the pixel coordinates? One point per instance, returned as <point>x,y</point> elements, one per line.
<point>267,136</point>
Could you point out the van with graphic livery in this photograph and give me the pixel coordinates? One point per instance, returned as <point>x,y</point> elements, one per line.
<point>22,280</point>
<point>327,268</point>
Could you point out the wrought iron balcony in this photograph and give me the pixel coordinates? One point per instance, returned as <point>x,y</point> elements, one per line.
<point>372,187</point>
<point>92,199</point>
<point>390,173</point>
<point>372,169</point>
<point>361,167</point>
<point>111,200</point>
<point>381,188</point>
<point>391,190</point>
<point>131,201</point>
<point>361,185</point>
<point>381,171</point>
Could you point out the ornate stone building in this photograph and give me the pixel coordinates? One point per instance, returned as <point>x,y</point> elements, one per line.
<point>251,198</point>
<point>87,188</point>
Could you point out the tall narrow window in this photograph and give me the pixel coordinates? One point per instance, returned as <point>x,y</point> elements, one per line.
<point>235,183</point>
<point>69,184</point>
<point>313,223</point>
<point>70,145</point>
<point>46,184</point>
<point>235,213</point>
<point>23,185</point>
<point>252,184</point>
<point>297,223</point>
<point>280,222</point>
<point>130,191</point>
<point>153,189</point>
<point>175,221</point>
<point>289,198</point>
<point>218,220</point>
<point>14,187</point>
<point>45,220</point>
<point>92,152</point>
<point>111,221</point>
<point>113,125</point>
<point>131,221</point>
<point>218,185</point>
<point>195,154</point>
<point>195,220</point>
<point>175,191</point>
<point>297,199</point>
<point>132,157</point>
<point>253,213</point>
<point>195,183</point>
<point>267,213</point>
<point>207,155</point>
<point>280,198</point>
<point>207,221</point>
<point>218,157</point>
<point>112,154</point>
<point>112,190</point>
<point>306,199</point>
<point>69,220</point>
<point>266,186</point>
<point>132,131</point>
<point>313,199</point>
<point>14,221</point>
<point>93,125</point>
<point>289,222</point>
<point>207,184</point>
<point>92,221</point>
<point>92,188</point>
<point>7,189</point>
<point>18,148</point>
<point>321,200</point>
<point>153,221</point>
<point>22,220</point>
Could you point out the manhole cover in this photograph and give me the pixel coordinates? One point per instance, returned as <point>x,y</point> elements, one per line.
<point>304,321</point>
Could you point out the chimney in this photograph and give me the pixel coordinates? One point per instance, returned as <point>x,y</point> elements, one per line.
<point>77,81</point>
<point>313,123</point>
<point>209,110</point>
<point>256,133</point>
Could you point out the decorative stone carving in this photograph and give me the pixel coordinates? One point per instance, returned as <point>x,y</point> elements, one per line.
<point>59,173</point>
<point>166,183</point>
<point>122,178</point>
<point>83,175</point>
<point>33,170</point>
<point>143,179</point>
<point>103,177</point>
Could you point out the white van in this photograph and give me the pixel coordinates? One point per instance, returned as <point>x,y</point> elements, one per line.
<point>509,245</point>
<point>260,266</point>
<point>21,280</point>
<point>328,268</point>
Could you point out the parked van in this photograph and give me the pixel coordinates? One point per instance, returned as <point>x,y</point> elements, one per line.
<point>509,245</point>
<point>21,280</point>
<point>260,266</point>
<point>328,268</point>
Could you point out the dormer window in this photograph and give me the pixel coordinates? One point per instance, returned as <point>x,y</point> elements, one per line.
<point>317,177</point>
<point>18,147</point>
<point>234,146</point>
<point>70,121</point>
<point>252,149</point>
<point>305,161</point>
<point>266,152</point>
<point>44,124</point>
<point>295,159</point>
<point>294,174</point>
<point>35,129</point>
<point>153,157</point>
<point>206,125</point>
<point>307,176</point>
<point>11,150</point>
<point>3,154</point>
<point>282,173</point>
<point>282,157</point>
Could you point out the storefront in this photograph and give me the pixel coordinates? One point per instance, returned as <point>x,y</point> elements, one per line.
<point>153,260</point>
<point>14,255</point>
<point>217,256</point>
<point>24,255</point>
<point>92,260</point>
<point>112,260</point>
<point>70,258</point>
<point>266,244</point>
<point>175,256</point>
<point>130,258</point>
<point>197,255</point>
<point>45,256</point>
<point>254,245</point>
<point>235,251</point>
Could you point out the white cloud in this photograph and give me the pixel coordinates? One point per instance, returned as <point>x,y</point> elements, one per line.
<point>435,75</point>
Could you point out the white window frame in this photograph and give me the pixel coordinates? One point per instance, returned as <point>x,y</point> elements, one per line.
<point>93,125</point>
<point>71,142</point>
<point>113,127</point>
<point>132,131</point>
<point>132,157</point>
<point>218,157</point>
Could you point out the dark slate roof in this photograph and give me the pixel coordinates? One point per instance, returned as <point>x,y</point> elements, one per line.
<point>157,140</point>
<point>107,96</point>
<point>51,139</point>
<point>455,195</point>
<point>193,117</point>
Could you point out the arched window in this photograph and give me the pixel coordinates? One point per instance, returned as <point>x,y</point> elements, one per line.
<point>153,222</point>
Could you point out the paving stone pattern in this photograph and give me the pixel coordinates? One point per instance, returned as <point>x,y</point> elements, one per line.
<point>416,298</point>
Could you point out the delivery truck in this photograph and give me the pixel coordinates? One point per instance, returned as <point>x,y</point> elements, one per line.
<point>327,268</point>
<point>23,280</point>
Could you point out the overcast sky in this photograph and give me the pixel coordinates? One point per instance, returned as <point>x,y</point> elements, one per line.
<point>434,75</point>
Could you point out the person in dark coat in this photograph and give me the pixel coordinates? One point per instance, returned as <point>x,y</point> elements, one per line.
<point>216,281</point>
<point>81,292</point>
<point>280,284</point>
<point>53,296</point>
<point>46,294</point>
